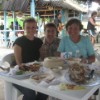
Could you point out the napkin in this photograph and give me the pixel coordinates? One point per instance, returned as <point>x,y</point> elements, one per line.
<point>95,66</point>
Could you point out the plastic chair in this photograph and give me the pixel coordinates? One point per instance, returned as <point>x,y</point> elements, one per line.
<point>10,59</point>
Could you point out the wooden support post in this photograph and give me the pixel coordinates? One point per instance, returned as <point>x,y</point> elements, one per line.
<point>63,21</point>
<point>14,24</point>
<point>80,16</point>
<point>5,32</point>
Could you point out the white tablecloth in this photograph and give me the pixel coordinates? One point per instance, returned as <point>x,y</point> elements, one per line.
<point>51,90</point>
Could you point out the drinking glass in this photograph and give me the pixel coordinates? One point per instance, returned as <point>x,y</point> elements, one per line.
<point>69,55</point>
<point>77,54</point>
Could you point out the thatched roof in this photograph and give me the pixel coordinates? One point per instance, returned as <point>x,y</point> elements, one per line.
<point>22,5</point>
<point>43,7</point>
<point>16,5</point>
<point>66,4</point>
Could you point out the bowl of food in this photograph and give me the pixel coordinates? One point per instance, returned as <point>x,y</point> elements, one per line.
<point>53,62</point>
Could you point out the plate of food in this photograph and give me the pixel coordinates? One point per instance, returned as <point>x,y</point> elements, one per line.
<point>47,77</point>
<point>32,67</point>
<point>25,71</point>
<point>79,75</point>
<point>64,86</point>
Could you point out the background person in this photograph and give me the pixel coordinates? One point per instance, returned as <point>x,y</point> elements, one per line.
<point>11,26</point>
<point>58,23</point>
<point>20,32</point>
<point>91,26</point>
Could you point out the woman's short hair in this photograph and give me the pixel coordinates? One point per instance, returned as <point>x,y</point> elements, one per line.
<point>94,13</point>
<point>74,21</point>
<point>29,20</point>
<point>50,25</point>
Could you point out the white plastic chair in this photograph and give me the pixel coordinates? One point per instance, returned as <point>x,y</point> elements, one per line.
<point>10,59</point>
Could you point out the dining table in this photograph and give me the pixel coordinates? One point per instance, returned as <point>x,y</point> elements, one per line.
<point>50,90</point>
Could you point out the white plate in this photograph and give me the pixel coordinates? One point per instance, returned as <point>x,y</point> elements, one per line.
<point>92,82</point>
<point>24,75</point>
<point>47,77</point>
<point>12,72</point>
<point>27,74</point>
<point>14,76</point>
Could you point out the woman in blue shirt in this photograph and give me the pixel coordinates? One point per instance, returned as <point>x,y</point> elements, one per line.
<point>75,42</point>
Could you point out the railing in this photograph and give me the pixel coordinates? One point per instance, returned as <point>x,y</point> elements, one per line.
<point>11,30</point>
<point>8,36</point>
<point>5,32</point>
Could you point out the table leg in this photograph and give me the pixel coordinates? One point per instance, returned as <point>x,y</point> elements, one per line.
<point>98,96</point>
<point>8,90</point>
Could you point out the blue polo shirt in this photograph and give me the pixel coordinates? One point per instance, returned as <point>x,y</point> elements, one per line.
<point>84,46</point>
